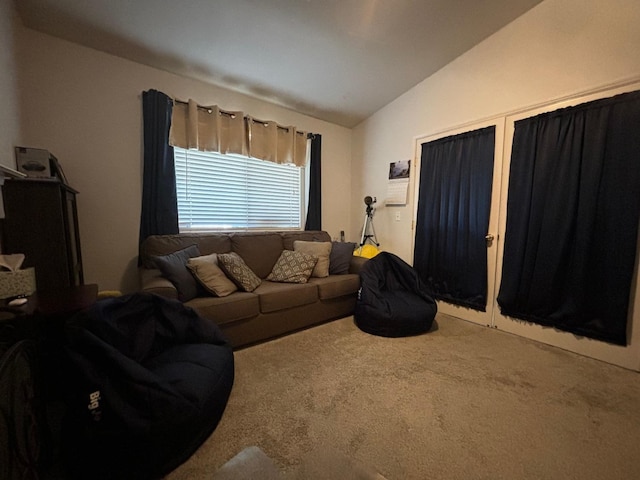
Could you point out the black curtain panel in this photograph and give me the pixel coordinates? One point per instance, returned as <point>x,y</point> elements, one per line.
<point>572,218</point>
<point>159,200</point>
<point>314,209</point>
<point>450,251</point>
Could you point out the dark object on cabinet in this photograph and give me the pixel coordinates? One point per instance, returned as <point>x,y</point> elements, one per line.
<point>41,221</point>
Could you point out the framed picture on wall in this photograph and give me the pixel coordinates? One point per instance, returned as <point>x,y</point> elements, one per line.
<point>398,184</point>
<point>399,169</point>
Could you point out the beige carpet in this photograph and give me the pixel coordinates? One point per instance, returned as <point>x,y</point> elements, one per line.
<point>461,402</point>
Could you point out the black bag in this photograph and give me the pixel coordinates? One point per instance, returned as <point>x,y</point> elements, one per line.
<point>393,301</point>
<point>25,442</point>
<point>148,381</point>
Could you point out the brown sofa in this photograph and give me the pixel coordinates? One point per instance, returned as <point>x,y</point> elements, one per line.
<point>271,310</point>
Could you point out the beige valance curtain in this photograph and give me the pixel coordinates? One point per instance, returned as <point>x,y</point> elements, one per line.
<point>211,129</point>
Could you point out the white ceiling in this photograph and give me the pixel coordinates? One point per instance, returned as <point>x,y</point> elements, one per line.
<point>337,60</point>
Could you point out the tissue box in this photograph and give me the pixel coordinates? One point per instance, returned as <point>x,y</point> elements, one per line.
<point>20,282</point>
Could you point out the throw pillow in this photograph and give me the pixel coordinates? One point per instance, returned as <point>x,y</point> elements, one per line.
<point>238,271</point>
<point>210,275</point>
<point>322,250</point>
<point>340,258</point>
<point>174,267</point>
<point>292,267</point>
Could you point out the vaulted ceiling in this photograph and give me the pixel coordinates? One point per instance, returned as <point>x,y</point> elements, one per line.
<point>337,60</point>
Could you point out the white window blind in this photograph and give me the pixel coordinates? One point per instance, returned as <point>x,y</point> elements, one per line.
<point>232,192</point>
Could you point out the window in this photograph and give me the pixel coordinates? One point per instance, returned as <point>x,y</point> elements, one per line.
<point>232,192</point>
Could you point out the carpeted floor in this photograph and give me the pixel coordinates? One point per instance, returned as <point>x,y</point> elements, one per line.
<point>461,402</point>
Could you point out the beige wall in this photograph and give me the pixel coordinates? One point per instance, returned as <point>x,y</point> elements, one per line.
<point>85,107</point>
<point>559,48</point>
<point>9,113</point>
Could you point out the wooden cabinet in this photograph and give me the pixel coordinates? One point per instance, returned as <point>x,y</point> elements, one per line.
<point>41,221</point>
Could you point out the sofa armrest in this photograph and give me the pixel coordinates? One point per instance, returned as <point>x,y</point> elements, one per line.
<point>357,263</point>
<point>152,281</point>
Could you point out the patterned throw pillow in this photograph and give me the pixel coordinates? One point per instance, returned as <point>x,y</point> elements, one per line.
<point>210,275</point>
<point>293,267</point>
<point>238,271</point>
<point>322,250</point>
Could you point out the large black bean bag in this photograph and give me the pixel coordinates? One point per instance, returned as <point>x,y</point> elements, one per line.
<point>393,301</point>
<point>147,382</point>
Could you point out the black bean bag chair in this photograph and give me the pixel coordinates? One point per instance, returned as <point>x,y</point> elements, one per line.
<point>147,382</point>
<point>393,301</point>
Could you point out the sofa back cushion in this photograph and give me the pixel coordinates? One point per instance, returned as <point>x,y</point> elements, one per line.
<point>260,251</point>
<point>207,243</point>
<point>308,236</point>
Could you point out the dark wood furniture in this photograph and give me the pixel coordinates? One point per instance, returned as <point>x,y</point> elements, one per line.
<point>43,318</point>
<point>57,302</point>
<point>41,221</point>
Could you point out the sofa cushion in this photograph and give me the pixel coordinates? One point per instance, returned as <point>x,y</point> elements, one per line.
<point>174,267</point>
<point>279,296</point>
<point>340,257</point>
<point>210,275</point>
<point>293,267</point>
<point>335,286</point>
<point>224,310</point>
<point>307,235</point>
<point>155,245</point>
<point>238,271</point>
<point>322,250</point>
<point>260,251</point>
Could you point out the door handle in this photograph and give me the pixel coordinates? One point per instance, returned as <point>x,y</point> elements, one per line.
<point>489,239</point>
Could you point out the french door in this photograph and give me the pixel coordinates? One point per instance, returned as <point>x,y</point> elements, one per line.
<point>488,236</point>
<point>627,356</point>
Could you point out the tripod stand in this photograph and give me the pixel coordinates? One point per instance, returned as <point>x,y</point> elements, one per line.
<point>368,232</point>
